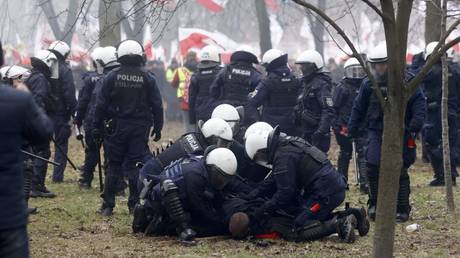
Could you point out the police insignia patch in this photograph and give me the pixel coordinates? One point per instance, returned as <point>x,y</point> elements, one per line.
<point>329,101</point>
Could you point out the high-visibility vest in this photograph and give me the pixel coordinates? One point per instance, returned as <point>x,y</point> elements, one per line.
<point>184,77</point>
<point>170,74</point>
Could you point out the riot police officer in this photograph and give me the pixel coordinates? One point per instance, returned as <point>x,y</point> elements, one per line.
<point>45,70</point>
<point>127,106</point>
<point>367,106</point>
<point>236,80</point>
<point>200,102</point>
<point>343,97</point>
<point>314,110</point>
<point>277,93</point>
<point>303,183</point>
<point>186,196</point>
<point>63,91</point>
<point>104,60</point>
<point>234,117</point>
<point>432,87</point>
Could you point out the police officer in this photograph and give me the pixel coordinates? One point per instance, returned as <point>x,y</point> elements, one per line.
<point>277,92</point>
<point>63,91</point>
<point>432,87</point>
<point>367,106</point>
<point>45,70</point>
<point>213,131</point>
<point>314,110</point>
<point>186,196</point>
<point>104,60</point>
<point>236,80</point>
<point>200,102</point>
<point>127,106</point>
<point>234,117</point>
<point>343,97</point>
<point>26,123</point>
<point>303,183</point>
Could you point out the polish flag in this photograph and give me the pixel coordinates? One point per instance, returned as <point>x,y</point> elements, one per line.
<point>190,38</point>
<point>213,5</point>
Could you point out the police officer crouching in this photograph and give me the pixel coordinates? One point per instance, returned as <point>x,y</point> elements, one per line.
<point>314,110</point>
<point>367,106</point>
<point>277,93</point>
<point>185,197</point>
<point>344,95</point>
<point>128,105</point>
<point>307,185</point>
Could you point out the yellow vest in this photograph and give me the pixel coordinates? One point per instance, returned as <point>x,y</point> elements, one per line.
<point>183,74</point>
<point>170,74</point>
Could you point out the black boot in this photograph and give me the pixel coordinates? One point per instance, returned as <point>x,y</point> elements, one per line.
<point>438,174</point>
<point>346,228</point>
<point>106,211</point>
<point>373,177</point>
<point>403,208</point>
<point>361,218</point>
<point>140,220</point>
<point>41,191</point>
<point>314,230</point>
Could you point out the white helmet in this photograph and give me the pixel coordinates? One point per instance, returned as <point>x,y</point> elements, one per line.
<point>258,127</point>
<point>378,54</point>
<point>209,53</point>
<point>271,55</point>
<point>109,57</point>
<point>50,60</point>
<point>429,49</point>
<point>14,72</point>
<point>217,128</point>
<point>310,56</point>
<point>256,147</point>
<point>130,48</point>
<point>60,47</point>
<point>96,56</point>
<point>353,69</point>
<point>228,113</point>
<point>223,159</point>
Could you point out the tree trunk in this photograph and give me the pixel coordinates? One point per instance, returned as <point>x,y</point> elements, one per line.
<point>445,120</point>
<point>66,33</point>
<point>109,25</point>
<point>264,26</point>
<point>136,31</point>
<point>432,21</point>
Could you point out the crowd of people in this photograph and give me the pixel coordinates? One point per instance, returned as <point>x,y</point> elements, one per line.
<point>254,156</point>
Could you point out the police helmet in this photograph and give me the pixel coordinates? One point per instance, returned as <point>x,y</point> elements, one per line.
<point>256,147</point>
<point>14,72</point>
<point>228,113</point>
<point>46,62</point>
<point>378,54</point>
<point>223,159</point>
<point>244,54</point>
<point>216,129</point>
<point>429,49</point>
<point>96,56</point>
<point>310,56</point>
<point>209,53</point>
<point>353,69</point>
<point>130,52</point>
<point>59,48</point>
<point>271,55</point>
<point>257,127</point>
<point>109,57</point>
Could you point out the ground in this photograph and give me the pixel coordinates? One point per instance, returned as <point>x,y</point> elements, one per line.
<point>68,226</point>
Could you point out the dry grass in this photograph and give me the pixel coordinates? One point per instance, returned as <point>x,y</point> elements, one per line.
<point>68,226</point>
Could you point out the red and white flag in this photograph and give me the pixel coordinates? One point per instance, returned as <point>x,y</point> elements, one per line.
<point>213,5</point>
<point>190,38</point>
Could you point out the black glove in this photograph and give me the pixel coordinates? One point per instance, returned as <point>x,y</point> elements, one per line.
<point>157,135</point>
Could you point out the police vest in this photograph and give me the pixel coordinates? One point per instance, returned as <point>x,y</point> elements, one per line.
<point>311,162</point>
<point>187,144</point>
<point>174,171</point>
<point>350,91</point>
<point>51,103</point>
<point>237,82</point>
<point>375,110</point>
<point>433,88</point>
<point>128,93</point>
<point>204,78</point>
<point>282,90</point>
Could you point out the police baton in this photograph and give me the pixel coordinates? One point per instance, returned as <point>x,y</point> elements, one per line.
<point>79,136</point>
<point>63,153</point>
<point>355,161</point>
<point>99,164</point>
<point>40,158</point>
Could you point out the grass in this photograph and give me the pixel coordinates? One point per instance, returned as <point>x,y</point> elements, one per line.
<point>68,226</point>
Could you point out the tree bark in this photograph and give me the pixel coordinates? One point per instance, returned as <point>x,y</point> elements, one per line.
<point>432,21</point>
<point>265,40</point>
<point>136,31</point>
<point>317,28</point>
<point>445,120</point>
<point>65,34</point>
<point>109,23</point>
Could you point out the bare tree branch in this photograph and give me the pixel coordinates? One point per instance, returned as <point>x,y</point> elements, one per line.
<point>374,7</point>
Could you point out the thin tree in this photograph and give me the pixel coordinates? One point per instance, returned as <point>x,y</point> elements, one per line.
<point>445,119</point>
<point>396,27</point>
<point>264,26</point>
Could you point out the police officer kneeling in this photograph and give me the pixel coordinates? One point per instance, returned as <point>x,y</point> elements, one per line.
<point>303,183</point>
<point>184,196</point>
